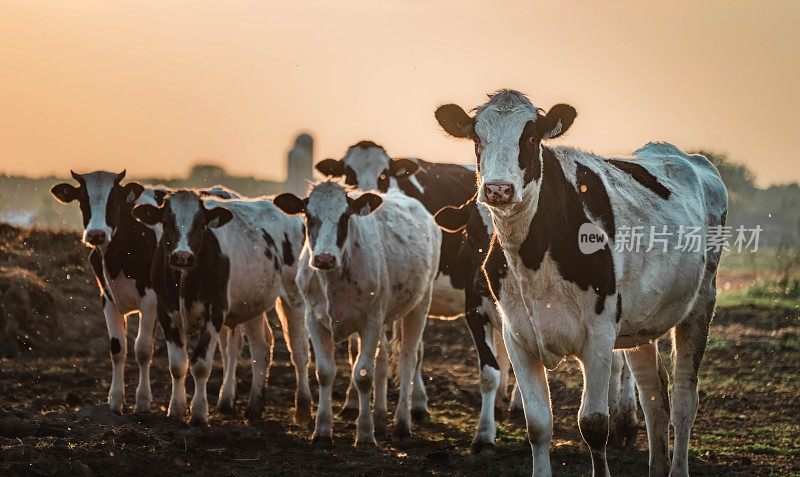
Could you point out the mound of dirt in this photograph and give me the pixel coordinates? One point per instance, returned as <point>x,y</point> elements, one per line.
<point>48,297</point>
<point>26,311</point>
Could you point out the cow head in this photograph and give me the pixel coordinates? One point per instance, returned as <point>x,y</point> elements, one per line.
<point>328,210</point>
<point>186,221</point>
<point>508,132</point>
<point>104,202</point>
<point>366,166</point>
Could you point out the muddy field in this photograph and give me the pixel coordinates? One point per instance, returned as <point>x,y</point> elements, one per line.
<point>54,381</point>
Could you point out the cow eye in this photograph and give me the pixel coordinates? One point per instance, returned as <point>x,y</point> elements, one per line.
<point>531,140</point>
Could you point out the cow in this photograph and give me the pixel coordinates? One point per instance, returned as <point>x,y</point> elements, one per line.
<point>226,262</point>
<point>369,260</point>
<point>473,221</point>
<point>121,251</point>
<point>557,301</point>
<point>367,166</point>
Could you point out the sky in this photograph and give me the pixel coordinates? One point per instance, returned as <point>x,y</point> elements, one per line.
<point>154,86</point>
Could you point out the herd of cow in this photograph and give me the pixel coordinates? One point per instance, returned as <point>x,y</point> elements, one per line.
<point>384,243</point>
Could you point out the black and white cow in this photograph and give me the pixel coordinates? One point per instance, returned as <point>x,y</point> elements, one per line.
<point>367,166</point>
<point>368,261</point>
<point>557,301</point>
<point>121,252</point>
<point>226,262</point>
<point>474,222</point>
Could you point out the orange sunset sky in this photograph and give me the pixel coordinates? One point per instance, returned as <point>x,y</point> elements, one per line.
<point>153,86</point>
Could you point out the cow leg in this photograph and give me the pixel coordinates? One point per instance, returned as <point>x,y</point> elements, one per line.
<point>651,379</point>
<point>419,396</point>
<point>363,377</point>
<point>202,359</point>
<point>379,406</point>
<point>627,424</point>
<point>261,341</point>
<point>295,334</point>
<point>593,414</point>
<point>489,371</point>
<point>689,344</point>
<point>350,408</point>
<point>413,326</point>
<point>143,348</point>
<point>535,394</point>
<point>117,335</point>
<point>501,399</point>
<point>175,336</point>
<point>230,346</point>
<point>322,342</point>
<point>614,385</point>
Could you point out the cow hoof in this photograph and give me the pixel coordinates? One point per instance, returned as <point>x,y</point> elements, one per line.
<point>198,421</point>
<point>366,443</point>
<point>226,407</point>
<point>302,415</point>
<point>401,433</point>
<point>420,416</point>
<point>379,419</point>
<point>517,416</point>
<point>254,413</point>
<point>324,442</point>
<point>142,409</point>
<point>623,430</point>
<point>482,448</point>
<point>348,414</point>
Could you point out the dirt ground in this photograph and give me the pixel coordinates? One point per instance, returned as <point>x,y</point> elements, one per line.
<point>53,420</point>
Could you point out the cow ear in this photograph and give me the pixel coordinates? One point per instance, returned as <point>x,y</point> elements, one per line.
<point>132,191</point>
<point>452,219</point>
<point>556,122</point>
<point>148,214</point>
<point>455,121</point>
<point>331,167</point>
<point>290,203</point>
<point>64,193</point>
<point>365,204</point>
<point>217,217</point>
<point>402,168</point>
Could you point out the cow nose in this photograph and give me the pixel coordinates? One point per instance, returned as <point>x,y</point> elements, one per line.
<point>95,237</point>
<point>498,193</point>
<point>181,259</point>
<point>324,261</point>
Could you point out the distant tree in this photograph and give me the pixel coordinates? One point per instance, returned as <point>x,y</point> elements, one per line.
<point>206,173</point>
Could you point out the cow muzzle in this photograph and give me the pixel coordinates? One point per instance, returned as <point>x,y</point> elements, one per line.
<point>498,193</point>
<point>95,237</point>
<point>182,260</point>
<point>324,261</point>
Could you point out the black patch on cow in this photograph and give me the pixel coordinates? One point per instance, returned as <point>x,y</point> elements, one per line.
<point>270,249</point>
<point>115,346</point>
<point>201,347</point>
<point>96,261</point>
<point>642,176</point>
<point>593,193</point>
<point>555,225</point>
<point>288,254</point>
<point>444,185</point>
<point>341,229</point>
<point>350,176</point>
<point>619,306</point>
<point>529,152</point>
<point>477,322</point>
